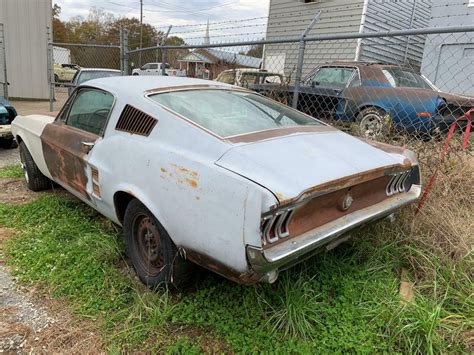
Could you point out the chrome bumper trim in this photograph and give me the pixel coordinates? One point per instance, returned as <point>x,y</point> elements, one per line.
<point>296,249</point>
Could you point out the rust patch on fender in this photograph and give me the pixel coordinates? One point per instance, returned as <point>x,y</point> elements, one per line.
<point>192,183</point>
<point>65,155</point>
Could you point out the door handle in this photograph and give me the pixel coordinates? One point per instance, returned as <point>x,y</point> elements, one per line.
<point>88,145</point>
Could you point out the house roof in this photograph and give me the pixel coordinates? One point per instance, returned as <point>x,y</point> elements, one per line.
<point>212,56</point>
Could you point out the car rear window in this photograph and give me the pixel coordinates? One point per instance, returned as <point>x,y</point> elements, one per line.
<point>229,113</point>
<point>404,78</point>
<point>96,74</point>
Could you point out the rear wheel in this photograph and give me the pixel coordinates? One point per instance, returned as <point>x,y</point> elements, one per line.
<point>35,179</point>
<point>151,250</point>
<point>373,123</point>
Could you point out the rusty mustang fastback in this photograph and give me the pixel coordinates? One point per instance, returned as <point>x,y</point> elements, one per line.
<point>212,173</point>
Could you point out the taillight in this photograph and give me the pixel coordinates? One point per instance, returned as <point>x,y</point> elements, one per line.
<point>399,183</point>
<point>275,226</point>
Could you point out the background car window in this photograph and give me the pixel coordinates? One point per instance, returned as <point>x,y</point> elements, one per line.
<point>95,74</point>
<point>332,77</point>
<point>404,78</point>
<point>229,113</point>
<point>153,66</point>
<point>228,78</point>
<point>90,110</point>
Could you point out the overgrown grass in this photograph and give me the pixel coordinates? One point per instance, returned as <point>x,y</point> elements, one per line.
<point>11,171</point>
<point>342,301</point>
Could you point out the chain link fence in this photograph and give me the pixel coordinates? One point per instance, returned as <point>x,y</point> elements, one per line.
<point>404,87</point>
<point>73,64</point>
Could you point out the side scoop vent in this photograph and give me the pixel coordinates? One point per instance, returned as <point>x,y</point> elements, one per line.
<point>134,121</point>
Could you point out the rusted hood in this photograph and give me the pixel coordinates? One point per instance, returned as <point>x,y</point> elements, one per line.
<point>291,165</point>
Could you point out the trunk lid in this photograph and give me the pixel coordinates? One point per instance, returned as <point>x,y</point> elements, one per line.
<point>290,165</point>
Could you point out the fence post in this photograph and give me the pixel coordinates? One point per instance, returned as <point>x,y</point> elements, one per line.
<point>124,50</point>
<point>3,59</point>
<point>50,61</point>
<point>299,68</point>
<point>163,51</point>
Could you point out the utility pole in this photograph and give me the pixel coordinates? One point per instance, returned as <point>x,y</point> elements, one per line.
<point>141,33</point>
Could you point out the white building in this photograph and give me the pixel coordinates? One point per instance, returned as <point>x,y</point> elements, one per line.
<point>448,60</point>
<point>25,27</point>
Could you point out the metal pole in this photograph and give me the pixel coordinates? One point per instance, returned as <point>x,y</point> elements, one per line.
<point>125,51</point>
<point>4,59</point>
<point>141,34</point>
<point>331,37</point>
<point>163,51</point>
<point>121,51</point>
<point>405,57</point>
<point>50,61</point>
<point>299,68</point>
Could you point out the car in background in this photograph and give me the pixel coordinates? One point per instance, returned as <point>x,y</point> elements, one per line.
<point>248,77</point>
<point>376,97</point>
<point>202,171</point>
<point>86,74</point>
<point>157,69</point>
<point>65,72</point>
<point>7,115</point>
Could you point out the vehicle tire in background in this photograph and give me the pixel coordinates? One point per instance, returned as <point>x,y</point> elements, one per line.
<point>35,179</point>
<point>135,74</point>
<point>372,123</point>
<point>151,250</point>
<point>8,143</point>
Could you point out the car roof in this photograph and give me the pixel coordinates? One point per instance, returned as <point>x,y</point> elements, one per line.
<point>100,69</point>
<point>140,84</point>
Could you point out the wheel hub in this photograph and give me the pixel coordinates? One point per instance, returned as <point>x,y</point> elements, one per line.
<point>148,244</point>
<point>371,125</point>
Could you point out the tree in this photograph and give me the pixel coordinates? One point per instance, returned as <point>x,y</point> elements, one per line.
<point>255,51</point>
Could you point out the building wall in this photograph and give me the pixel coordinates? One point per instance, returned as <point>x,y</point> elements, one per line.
<point>289,19</point>
<point>389,15</point>
<point>448,60</point>
<point>25,23</point>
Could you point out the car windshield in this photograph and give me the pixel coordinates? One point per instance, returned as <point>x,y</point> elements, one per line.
<point>229,113</point>
<point>398,77</point>
<point>95,74</point>
<point>338,77</point>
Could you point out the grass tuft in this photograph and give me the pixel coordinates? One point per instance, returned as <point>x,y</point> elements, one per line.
<point>11,171</point>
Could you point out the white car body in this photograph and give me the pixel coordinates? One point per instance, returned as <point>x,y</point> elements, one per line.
<point>157,69</point>
<point>215,195</point>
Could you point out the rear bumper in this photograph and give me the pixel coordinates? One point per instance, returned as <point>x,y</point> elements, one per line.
<point>297,249</point>
<point>6,132</point>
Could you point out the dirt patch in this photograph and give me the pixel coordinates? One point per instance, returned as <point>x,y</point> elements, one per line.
<point>14,191</point>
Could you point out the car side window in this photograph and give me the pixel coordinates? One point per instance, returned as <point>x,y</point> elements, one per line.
<point>153,66</point>
<point>89,110</point>
<point>228,78</point>
<point>332,76</point>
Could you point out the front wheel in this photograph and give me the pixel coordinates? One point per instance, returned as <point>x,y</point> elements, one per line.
<point>135,74</point>
<point>373,123</point>
<point>151,250</point>
<point>35,179</point>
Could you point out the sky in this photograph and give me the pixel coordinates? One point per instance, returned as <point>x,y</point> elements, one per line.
<point>183,15</point>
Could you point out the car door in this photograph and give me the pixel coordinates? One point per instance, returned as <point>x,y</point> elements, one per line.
<point>69,140</point>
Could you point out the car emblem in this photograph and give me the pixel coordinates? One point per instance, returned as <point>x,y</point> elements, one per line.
<point>346,202</point>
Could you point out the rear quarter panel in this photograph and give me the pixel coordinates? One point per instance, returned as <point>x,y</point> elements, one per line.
<point>205,209</point>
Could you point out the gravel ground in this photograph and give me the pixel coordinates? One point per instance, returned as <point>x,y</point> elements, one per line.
<point>9,157</point>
